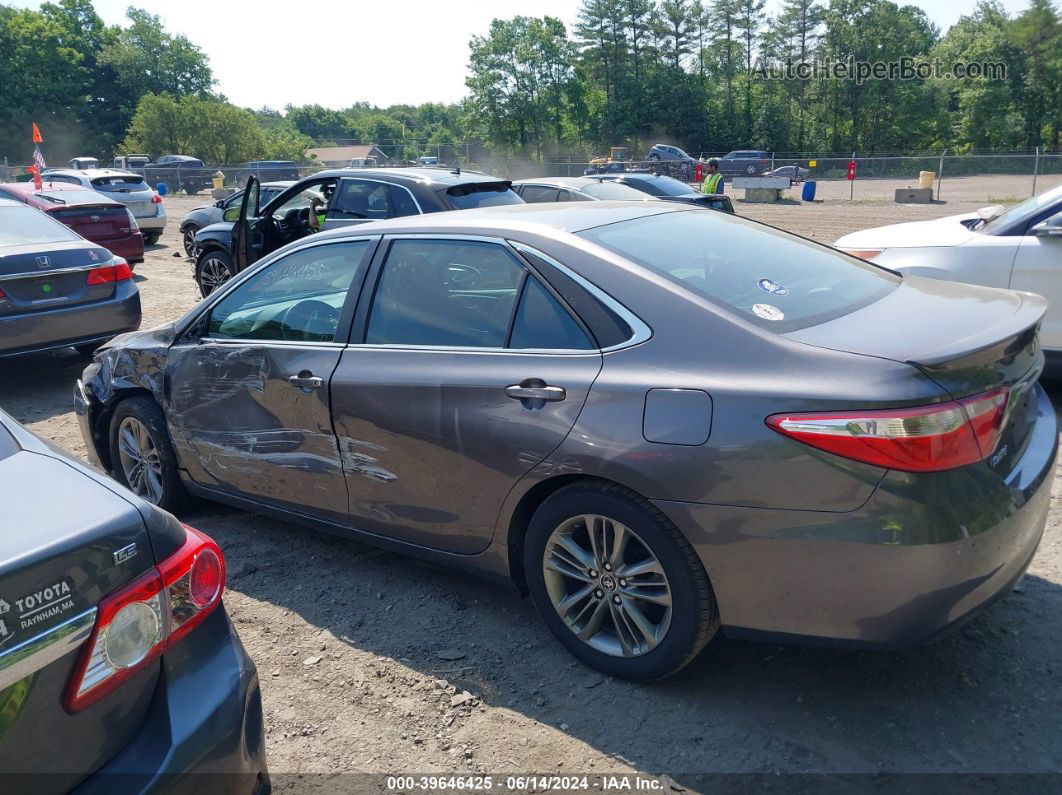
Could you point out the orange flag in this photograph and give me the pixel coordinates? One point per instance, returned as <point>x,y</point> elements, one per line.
<point>37,134</point>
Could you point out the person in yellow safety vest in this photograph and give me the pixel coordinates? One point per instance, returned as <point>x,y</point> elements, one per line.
<point>713,180</point>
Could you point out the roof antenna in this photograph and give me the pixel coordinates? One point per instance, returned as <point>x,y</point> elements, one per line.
<point>457,170</point>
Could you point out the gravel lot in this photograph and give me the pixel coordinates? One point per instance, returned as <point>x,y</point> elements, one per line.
<point>371,662</point>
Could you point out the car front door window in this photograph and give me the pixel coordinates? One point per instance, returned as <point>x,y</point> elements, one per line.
<point>299,298</point>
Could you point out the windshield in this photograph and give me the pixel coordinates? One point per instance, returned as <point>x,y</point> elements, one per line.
<point>20,226</point>
<point>766,276</point>
<point>1023,212</point>
<point>614,190</point>
<point>663,186</point>
<point>482,194</point>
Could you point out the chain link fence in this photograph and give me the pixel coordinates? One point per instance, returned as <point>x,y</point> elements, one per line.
<point>989,178</point>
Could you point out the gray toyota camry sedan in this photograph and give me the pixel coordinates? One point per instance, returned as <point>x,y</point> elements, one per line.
<point>662,423</point>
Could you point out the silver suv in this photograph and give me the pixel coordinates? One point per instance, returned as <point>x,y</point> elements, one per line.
<point>126,187</point>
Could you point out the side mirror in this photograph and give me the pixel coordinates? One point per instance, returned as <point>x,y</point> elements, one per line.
<point>1052,227</point>
<point>232,215</point>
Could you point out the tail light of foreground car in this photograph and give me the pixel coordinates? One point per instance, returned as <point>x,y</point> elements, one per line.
<point>920,439</point>
<point>117,270</point>
<point>137,623</point>
<point>156,199</point>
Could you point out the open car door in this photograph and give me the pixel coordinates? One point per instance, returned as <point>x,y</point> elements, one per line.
<point>247,228</point>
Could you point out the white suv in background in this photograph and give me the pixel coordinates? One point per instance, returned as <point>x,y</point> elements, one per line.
<point>126,187</point>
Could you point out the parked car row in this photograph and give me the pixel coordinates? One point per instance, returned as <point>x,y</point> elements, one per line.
<point>123,186</point>
<point>637,411</point>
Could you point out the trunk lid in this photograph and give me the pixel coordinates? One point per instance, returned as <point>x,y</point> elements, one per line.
<point>95,222</point>
<point>36,278</point>
<point>967,339</point>
<point>56,564</point>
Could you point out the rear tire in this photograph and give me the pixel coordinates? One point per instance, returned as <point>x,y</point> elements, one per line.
<point>644,626</point>
<point>213,268</point>
<point>142,457</point>
<point>151,238</point>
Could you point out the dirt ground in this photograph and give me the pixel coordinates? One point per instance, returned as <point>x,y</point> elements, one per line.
<point>371,662</point>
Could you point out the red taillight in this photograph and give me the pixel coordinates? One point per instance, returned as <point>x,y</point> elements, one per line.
<point>119,271</point>
<point>156,199</point>
<point>920,439</point>
<point>139,622</point>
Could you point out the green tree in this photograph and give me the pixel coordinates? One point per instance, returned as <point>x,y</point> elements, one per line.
<point>148,60</point>
<point>213,131</point>
<point>518,75</point>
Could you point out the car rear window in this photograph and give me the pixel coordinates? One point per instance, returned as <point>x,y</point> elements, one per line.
<point>614,191</point>
<point>482,194</point>
<point>664,186</point>
<point>120,183</point>
<point>766,276</point>
<point>21,225</point>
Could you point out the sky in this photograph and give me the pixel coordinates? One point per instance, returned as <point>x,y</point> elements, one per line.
<point>383,53</point>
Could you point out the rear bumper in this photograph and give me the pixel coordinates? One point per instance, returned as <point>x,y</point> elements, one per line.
<point>924,554</point>
<point>72,325</point>
<point>204,729</point>
<point>131,248</point>
<point>153,222</point>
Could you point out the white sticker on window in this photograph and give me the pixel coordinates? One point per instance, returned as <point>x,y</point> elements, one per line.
<point>768,312</point>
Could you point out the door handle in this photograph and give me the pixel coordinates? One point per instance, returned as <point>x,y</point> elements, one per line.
<point>306,380</point>
<point>522,392</point>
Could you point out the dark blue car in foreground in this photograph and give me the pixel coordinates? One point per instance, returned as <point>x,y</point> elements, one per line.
<point>119,668</point>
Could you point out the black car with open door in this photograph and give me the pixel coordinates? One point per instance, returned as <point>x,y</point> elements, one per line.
<point>332,199</point>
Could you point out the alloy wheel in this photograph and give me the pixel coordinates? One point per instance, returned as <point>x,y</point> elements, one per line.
<point>190,248</point>
<point>140,460</point>
<point>213,274</point>
<point>607,585</point>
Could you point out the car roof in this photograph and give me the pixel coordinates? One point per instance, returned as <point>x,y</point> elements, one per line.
<point>94,173</point>
<point>568,182</point>
<point>29,189</point>
<point>551,219</point>
<point>433,176</point>
<point>10,203</point>
<point>48,185</point>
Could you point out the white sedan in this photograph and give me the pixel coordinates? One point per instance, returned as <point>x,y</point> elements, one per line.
<point>1019,248</point>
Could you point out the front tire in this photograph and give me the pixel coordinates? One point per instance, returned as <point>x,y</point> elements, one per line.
<point>142,456</point>
<point>213,268</point>
<point>188,241</point>
<point>617,583</point>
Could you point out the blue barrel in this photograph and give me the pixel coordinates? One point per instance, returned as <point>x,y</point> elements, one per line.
<point>808,193</point>
<point>163,188</point>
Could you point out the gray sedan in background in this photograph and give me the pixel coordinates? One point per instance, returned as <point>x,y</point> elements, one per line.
<point>661,422</point>
<point>58,289</point>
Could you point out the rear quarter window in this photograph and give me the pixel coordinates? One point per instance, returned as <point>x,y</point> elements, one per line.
<point>776,280</point>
